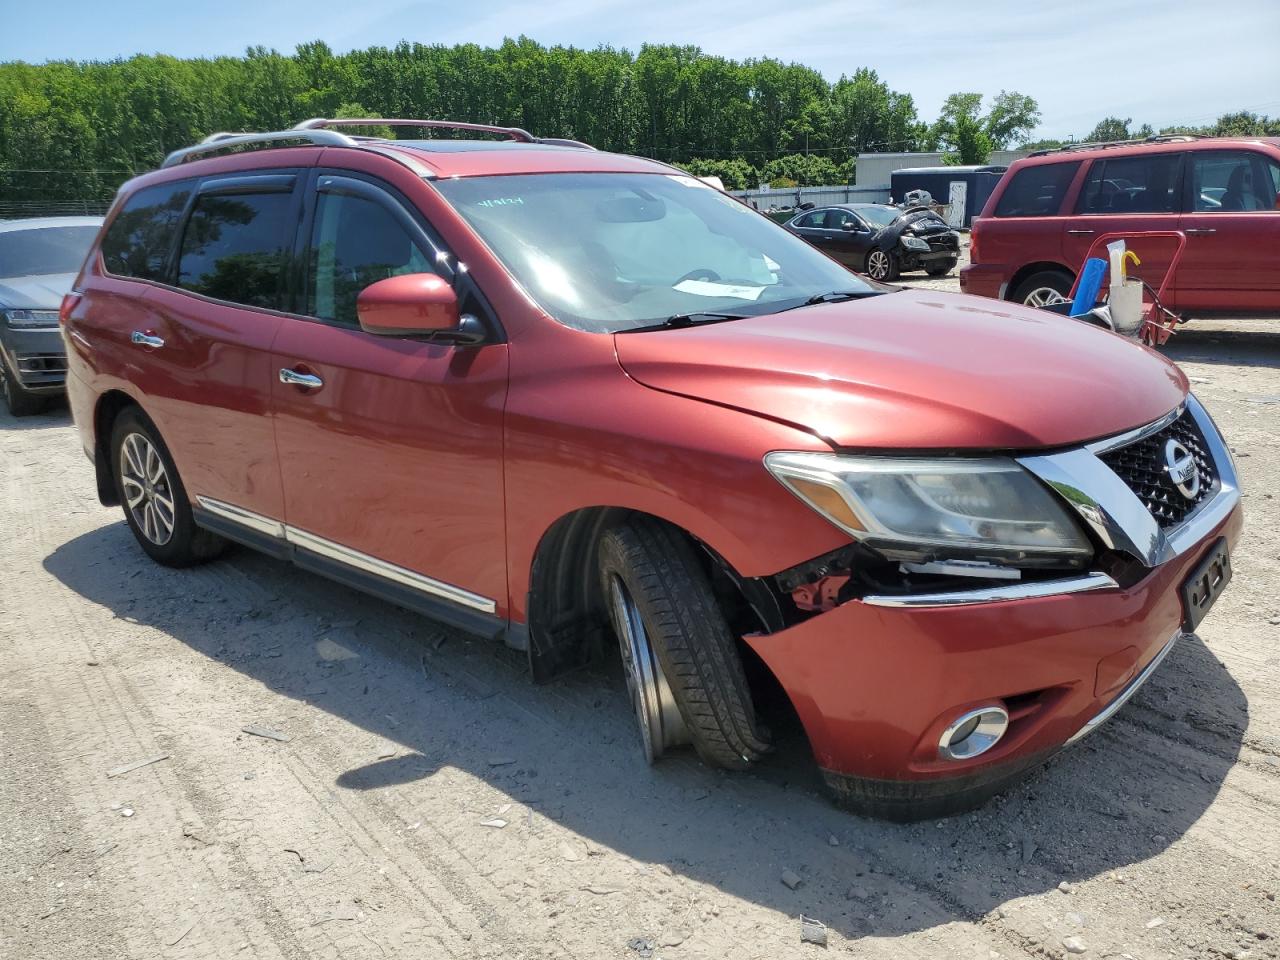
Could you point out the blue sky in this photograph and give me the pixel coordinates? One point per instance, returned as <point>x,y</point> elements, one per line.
<point>1157,61</point>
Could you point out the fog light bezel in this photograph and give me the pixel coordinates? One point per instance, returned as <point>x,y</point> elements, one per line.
<point>992,725</point>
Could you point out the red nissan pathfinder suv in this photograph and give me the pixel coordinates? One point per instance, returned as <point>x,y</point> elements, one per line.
<point>552,395</point>
<point>1223,194</point>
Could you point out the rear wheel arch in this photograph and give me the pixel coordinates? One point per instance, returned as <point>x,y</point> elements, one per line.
<point>109,406</point>
<point>1029,270</point>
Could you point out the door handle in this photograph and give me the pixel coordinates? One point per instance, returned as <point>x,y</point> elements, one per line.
<point>300,379</point>
<point>1081,233</point>
<point>1199,231</point>
<point>145,339</point>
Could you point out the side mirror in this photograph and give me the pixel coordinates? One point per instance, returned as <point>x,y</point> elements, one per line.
<point>411,305</point>
<point>849,227</point>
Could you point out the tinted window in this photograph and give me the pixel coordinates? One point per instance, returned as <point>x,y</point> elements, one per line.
<point>355,242</point>
<point>1132,185</point>
<point>28,253</point>
<point>234,246</point>
<point>1037,191</point>
<point>1233,181</point>
<point>812,220</point>
<point>837,218</point>
<point>139,238</point>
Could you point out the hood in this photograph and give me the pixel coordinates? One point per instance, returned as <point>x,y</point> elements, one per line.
<point>916,370</point>
<point>41,292</point>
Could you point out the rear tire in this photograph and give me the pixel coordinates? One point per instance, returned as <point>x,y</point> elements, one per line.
<point>695,654</point>
<point>21,403</point>
<point>1041,288</point>
<point>939,268</point>
<point>155,502</point>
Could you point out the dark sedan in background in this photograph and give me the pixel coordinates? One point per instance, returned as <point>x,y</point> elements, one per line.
<point>39,259</point>
<point>879,240</point>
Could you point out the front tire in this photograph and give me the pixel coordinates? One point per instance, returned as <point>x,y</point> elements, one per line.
<point>155,502</point>
<point>21,403</point>
<point>883,265</point>
<point>681,662</point>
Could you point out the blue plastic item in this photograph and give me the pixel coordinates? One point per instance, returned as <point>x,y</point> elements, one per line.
<point>1090,283</point>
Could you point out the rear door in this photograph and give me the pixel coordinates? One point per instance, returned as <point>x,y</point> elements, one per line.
<point>1127,195</point>
<point>1026,225</point>
<point>1232,259</point>
<point>392,462</point>
<point>206,350</point>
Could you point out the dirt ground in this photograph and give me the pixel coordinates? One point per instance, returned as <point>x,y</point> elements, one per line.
<point>426,800</point>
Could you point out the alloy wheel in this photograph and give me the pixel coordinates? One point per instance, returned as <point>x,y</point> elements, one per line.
<point>661,725</point>
<point>147,491</point>
<point>1043,297</point>
<point>878,264</point>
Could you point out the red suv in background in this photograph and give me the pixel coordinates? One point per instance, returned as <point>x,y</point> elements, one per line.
<point>1224,194</point>
<point>552,395</point>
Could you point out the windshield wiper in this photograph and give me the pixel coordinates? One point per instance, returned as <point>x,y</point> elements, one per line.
<point>695,318</point>
<point>834,296</point>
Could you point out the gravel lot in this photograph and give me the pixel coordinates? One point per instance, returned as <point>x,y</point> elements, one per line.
<point>429,801</point>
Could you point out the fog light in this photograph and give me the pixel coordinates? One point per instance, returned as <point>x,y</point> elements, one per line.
<point>973,733</point>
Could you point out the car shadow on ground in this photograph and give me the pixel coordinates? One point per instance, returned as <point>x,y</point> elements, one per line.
<point>1226,345</point>
<point>569,750</point>
<point>56,413</point>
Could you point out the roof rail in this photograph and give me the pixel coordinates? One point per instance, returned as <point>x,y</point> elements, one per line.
<point>216,142</point>
<point>320,123</point>
<point>1107,144</point>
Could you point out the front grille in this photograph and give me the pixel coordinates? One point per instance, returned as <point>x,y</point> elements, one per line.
<point>1143,468</point>
<point>42,363</point>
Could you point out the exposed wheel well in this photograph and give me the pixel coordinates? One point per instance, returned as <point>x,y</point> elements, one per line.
<point>568,623</point>
<point>110,405</point>
<point>1028,269</point>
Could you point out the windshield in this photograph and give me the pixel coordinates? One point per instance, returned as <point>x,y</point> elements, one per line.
<point>609,252</point>
<point>44,250</point>
<point>878,216</point>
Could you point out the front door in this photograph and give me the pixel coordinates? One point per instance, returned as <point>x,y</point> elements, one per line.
<point>392,459</point>
<point>1232,260</point>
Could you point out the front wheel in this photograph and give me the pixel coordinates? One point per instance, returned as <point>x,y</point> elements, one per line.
<point>883,265</point>
<point>155,502</point>
<point>683,671</point>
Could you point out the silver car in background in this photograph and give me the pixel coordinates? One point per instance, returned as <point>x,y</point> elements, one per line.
<point>39,260</point>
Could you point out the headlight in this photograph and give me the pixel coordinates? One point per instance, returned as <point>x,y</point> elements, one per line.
<point>912,509</point>
<point>26,319</point>
<point>914,243</point>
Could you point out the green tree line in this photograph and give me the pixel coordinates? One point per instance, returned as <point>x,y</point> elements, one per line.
<point>76,129</point>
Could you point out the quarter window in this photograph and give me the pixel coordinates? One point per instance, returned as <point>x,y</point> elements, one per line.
<point>1233,181</point>
<point>1118,185</point>
<point>355,242</point>
<point>1037,191</point>
<point>138,241</point>
<point>234,246</point>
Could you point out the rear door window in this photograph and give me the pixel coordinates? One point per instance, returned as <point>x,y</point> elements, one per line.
<point>1119,185</point>
<point>234,247</point>
<point>138,242</point>
<point>812,221</point>
<point>1233,181</point>
<point>1037,191</point>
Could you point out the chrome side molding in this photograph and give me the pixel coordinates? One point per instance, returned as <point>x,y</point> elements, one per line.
<point>1130,689</point>
<point>1013,591</point>
<point>345,555</point>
